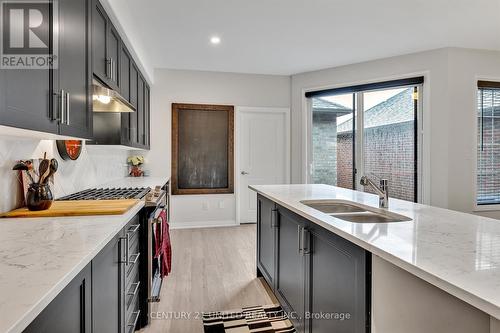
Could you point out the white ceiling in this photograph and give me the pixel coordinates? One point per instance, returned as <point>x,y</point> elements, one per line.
<point>292,36</point>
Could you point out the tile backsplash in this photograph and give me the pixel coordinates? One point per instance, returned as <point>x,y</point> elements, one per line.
<point>95,166</point>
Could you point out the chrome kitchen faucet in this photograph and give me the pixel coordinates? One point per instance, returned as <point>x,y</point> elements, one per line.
<point>382,190</point>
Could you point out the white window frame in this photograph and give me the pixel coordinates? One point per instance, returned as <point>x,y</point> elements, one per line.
<point>480,208</point>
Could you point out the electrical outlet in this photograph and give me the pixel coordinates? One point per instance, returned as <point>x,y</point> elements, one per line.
<point>205,205</point>
<point>221,204</point>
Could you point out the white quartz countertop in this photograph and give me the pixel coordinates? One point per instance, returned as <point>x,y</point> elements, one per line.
<point>457,252</point>
<point>40,256</point>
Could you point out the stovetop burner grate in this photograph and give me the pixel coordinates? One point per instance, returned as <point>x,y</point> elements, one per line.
<point>108,194</point>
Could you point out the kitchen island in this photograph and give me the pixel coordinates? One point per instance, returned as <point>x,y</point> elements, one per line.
<point>40,257</point>
<point>439,271</point>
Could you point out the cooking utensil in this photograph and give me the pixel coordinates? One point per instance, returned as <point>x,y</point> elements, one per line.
<point>53,168</point>
<point>21,166</point>
<point>43,169</point>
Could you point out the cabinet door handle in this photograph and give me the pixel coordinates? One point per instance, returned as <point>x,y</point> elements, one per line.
<point>56,104</point>
<point>108,67</point>
<point>305,241</point>
<point>82,306</point>
<point>299,239</point>
<point>68,107</point>
<point>62,105</point>
<point>274,218</point>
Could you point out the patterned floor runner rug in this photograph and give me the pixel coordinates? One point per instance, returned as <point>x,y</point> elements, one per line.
<point>261,319</point>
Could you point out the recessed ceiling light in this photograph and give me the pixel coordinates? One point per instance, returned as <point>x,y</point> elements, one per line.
<point>215,40</point>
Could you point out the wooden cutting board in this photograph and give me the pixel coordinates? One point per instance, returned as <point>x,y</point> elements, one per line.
<point>77,208</point>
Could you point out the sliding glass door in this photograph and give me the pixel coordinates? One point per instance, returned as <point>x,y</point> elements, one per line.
<point>332,145</point>
<point>390,139</point>
<point>372,132</point>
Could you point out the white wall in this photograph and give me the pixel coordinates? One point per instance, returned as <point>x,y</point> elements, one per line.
<point>179,86</point>
<point>449,109</point>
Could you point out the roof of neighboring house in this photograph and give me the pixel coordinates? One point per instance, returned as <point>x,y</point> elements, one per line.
<point>397,109</point>
<point>322,105</point>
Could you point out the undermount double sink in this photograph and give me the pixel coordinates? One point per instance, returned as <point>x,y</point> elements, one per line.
<point>354,212</point>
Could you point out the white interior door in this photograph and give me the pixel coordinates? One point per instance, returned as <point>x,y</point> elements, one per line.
<point>263,155</point>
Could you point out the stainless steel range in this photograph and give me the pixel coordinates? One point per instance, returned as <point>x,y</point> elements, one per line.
<point>109,194</point>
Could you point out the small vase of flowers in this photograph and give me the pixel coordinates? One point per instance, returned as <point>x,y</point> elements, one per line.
<point>135,163</point>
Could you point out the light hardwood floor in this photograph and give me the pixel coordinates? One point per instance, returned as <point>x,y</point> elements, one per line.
<point>213,269</point>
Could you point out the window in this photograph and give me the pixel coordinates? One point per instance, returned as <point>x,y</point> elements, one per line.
<point>367,130</point>
<point>332,145</point>
<point>488,143</point>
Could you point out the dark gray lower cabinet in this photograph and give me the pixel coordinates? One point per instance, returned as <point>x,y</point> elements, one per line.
<point>290,285</point>
<point>337,292</point>
<point>320,278</point>
<point>266,227</point>
<point>70,311</point>
<point>107,287</point>
<point>104,297</point>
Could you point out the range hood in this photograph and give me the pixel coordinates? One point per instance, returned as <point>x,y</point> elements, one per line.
<point>108,100</point>
<point>110,116</point>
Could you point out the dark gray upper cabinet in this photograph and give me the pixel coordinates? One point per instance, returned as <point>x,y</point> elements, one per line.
<point>113,57</point>
<point>70,311</point>
<point>26,94</point>
<point>290,282</point>
<point>147,116</point>
<point>71,78</point>
<point>337,284</point>
<point>54,100</point>
<point>107,287</point>
<point>106,45</point>
<point>141,139</point>
<point>125,64</point>
<point>266,238</point>
<point>58,99</point>
<point>99,41</point>
<point>133,117</point>
<point>25,99</point>
<point>114,66</point>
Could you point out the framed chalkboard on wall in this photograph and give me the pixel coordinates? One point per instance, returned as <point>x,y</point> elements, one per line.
<point>202,149</point>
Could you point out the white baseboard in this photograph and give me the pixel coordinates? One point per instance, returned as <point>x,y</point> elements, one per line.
<point>202,224</point>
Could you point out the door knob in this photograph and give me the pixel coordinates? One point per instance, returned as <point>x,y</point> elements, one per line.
<point>245,173</point>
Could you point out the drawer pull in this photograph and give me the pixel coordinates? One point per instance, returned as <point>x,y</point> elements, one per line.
<point>134,260</point>
<point>134,323</point>
<point>136,288</point>
<point>133,228</point>
<point>127,241</point>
